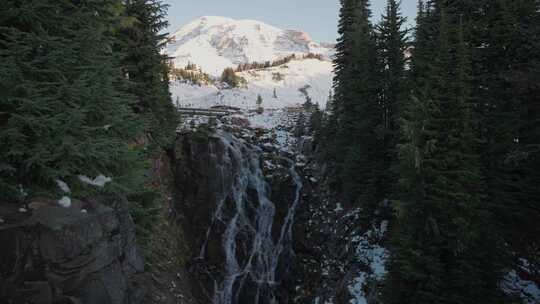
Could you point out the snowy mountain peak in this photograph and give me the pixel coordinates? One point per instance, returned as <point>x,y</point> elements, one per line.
<point>215,43</point>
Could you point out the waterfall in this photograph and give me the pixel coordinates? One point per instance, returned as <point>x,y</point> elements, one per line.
<point>249,225</point>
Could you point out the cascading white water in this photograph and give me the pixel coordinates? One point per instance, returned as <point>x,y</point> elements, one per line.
<point>250,224</point>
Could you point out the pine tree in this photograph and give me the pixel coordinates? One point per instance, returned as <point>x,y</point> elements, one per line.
<point>327,147</point>
<point>316,124</point>
<point>141,42</point>
<point>300,128</point>
<point>357,104</point>
<point>259,102</point>
<point>508,118</point>
<point>63,90</point>
<point>393,43</point>
<point>444,253</point>
<point>230,78</point>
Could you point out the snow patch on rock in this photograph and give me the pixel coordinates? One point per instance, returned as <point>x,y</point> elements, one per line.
<point>514,284</point>
<point>370,253</point>
<point>99,181</point>
<point>65,202</point>
<point>63,186</point>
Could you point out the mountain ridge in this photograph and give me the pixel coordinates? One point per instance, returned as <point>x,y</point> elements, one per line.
<point>213,43</point>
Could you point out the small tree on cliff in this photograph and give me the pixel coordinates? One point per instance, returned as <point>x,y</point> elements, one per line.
<point>260,108</point>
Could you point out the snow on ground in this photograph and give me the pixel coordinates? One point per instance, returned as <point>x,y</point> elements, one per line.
<point>279,125</point>
<point>269,119</point>
<point>312,74</point>
<point>369,252</point>
<point>357,289</point>
<point>527,290</point>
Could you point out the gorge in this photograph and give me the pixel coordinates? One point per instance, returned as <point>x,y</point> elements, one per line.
<point>233,162</point>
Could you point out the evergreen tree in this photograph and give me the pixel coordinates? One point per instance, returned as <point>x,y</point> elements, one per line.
<point>259,102</point>
<point>141,42</point>
<point>393,44</point>
<point>230,78</point>
<point>308,104</point>
<point>316,124</point>
<point>62,87</point>
<point>443,254</point>
<point>506,58</point>
<point>300,129</point>
<point>327,147</point>
<point>358,107</point>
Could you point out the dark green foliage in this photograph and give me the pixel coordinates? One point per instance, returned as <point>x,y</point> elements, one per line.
<point>262,65</point>
<point>69,113</point>
<point>444,221</point>
<point>456,205</point>
<point>84,91</point>
<point>357,105</point>
<point>456,130</point>
<point>259,103</point>
<point>327,136</point>
<point>506,95</point>
<point>230,78</point>
<point>300,128</point>
<point>308,104</point>
<point>393,44</point>
<point>316,123</point>
<point>141,41</point>
<point>145,209</point>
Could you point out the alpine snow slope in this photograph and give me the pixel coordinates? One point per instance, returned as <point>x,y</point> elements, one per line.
<point>215,43</point>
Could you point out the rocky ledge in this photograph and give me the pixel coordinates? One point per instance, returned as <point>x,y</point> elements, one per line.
<point>86,253</point>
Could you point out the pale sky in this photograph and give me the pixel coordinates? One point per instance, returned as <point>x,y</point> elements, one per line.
<point>317,17</point>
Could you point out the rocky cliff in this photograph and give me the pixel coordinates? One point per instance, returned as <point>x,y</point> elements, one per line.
<point>250,219</point>
<point>86,253</point>
<point>236,198</point>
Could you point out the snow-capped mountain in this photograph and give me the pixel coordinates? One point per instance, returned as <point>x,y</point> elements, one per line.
<point>215,43</point>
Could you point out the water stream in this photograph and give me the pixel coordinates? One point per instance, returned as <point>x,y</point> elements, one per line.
<point>252,255</point>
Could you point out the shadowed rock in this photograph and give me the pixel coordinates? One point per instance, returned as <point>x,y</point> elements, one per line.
<point>63,255</point>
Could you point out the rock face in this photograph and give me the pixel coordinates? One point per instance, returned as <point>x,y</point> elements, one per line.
<point>238,215</point>
<point>341,251</point>
<point>70,255</point>
<point>263,221</point>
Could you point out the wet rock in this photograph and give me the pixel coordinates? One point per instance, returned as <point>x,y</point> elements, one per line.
<point>211,172</point>
<point>306,145</point>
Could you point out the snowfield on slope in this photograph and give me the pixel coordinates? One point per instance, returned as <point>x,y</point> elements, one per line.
<point>312,74</point>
